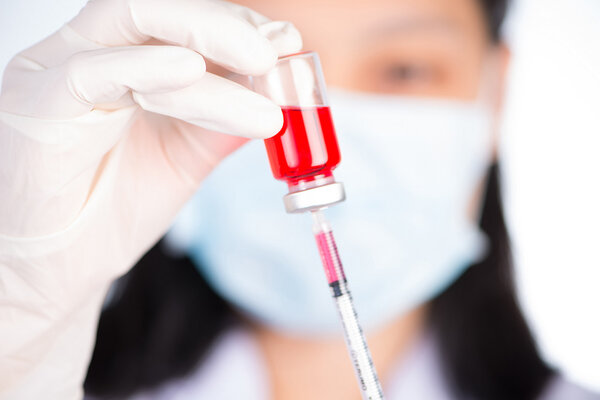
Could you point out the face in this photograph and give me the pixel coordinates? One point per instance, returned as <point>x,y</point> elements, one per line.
<point>426,48</point>
<point>416,48</point>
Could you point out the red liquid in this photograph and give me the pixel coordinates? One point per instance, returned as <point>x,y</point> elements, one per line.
<point>330,257</point>
<point>305,147</point>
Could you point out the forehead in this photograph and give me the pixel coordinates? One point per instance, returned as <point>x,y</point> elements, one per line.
<point>347,20</point>
<point>362,42</point>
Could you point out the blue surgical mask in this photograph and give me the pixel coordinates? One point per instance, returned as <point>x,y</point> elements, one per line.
<point>411,168</point>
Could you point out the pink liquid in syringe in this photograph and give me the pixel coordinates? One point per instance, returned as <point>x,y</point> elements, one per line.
<point>331,261</point>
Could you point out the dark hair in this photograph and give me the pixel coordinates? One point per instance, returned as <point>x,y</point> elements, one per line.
<point>494,12</point>
<point>485,345</point>
<point>163,317</point>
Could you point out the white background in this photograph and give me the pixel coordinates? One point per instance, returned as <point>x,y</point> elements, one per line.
<point>551,160</point>
<point>551,156</point>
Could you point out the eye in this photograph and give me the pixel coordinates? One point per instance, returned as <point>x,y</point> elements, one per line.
<point>407,73</point>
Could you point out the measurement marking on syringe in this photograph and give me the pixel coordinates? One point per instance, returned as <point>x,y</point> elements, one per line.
<point>357,345</point>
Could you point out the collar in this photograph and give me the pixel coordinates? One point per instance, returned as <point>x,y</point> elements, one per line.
<point>235,369</point>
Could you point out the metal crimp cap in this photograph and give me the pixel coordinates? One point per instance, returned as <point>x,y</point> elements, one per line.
<point>314,198</point>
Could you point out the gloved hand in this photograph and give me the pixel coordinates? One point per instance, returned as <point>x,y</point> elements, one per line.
<point>102,140</point>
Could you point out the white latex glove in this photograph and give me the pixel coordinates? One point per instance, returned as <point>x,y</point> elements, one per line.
<point>102,140</point>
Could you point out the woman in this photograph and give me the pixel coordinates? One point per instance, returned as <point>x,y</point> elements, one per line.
<point>485,348</point>
<point>436,70</point>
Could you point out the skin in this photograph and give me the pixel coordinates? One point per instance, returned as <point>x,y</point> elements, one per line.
<point>424,48</point>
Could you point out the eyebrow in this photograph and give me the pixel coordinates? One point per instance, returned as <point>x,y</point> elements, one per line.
<point>409,25</point>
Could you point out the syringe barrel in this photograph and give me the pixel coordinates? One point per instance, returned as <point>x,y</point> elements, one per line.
<point>357,346</point>
<point>355,339</point>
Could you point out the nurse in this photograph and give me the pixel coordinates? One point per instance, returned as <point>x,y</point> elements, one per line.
<point>109,126</point>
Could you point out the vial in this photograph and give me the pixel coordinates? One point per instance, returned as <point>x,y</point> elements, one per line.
<point>305,152</point>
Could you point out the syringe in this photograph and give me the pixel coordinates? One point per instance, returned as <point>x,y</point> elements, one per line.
<point>304,154</point>
<point>355,339</point>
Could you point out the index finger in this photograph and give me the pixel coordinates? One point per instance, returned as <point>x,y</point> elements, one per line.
<point>233,36</point>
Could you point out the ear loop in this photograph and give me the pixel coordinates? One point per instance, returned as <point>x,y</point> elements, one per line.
<point>489,87</point>
<point>489,90</point>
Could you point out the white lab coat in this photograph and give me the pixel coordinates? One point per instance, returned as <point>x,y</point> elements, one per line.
<point>234,369</point>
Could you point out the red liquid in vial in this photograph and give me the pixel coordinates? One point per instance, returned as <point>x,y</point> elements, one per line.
<point>305,147</point>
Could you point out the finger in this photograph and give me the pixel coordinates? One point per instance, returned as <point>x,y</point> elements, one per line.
<point>218,104</point>
<point>105,75</point>
<point>283,35</point>
<point>92,78</point>
<point>233,36</point>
